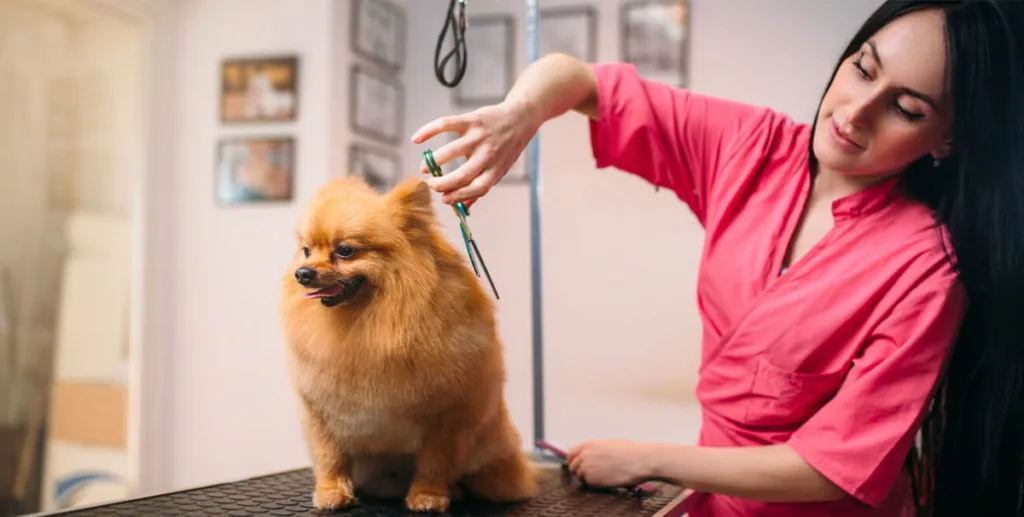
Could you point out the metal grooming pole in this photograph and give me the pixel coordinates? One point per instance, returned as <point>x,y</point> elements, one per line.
<point>533,169</point>
<point>456,20</point>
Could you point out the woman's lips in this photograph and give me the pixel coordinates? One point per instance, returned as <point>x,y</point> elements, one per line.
<point>841,139</point>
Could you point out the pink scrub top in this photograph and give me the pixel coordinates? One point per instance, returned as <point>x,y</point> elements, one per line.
<point>839,355</point>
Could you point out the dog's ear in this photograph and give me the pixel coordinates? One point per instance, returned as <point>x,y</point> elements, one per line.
<point>412,197</point>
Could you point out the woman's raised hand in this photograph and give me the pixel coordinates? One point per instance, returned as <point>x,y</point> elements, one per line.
<point>491,138</point>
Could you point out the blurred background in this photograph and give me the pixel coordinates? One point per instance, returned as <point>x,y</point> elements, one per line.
<point>154,156</point>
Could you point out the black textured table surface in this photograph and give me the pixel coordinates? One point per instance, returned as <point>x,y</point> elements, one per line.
<point>289,494</point>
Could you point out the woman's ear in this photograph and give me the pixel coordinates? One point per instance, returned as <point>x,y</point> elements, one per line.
<point>944,150</point>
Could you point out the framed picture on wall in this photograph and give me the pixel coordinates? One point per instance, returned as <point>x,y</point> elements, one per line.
<point>490,68</point>
<point>259,89</point>
<point>254,169</point>
<point>380,168</point>
<point>655,38</point>
<point>569,30</point>
<point>378,32</point>
<point>376,104</point>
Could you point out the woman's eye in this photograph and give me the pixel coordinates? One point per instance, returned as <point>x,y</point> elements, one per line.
<point>861,70</point>
<point>907,114</point>
<point>305,251</point>
<point>345,251</point>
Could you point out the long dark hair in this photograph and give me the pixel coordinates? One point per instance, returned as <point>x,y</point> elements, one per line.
<point>970,456</point>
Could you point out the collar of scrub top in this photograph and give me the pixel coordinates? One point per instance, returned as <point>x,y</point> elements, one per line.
<point>641,490</point>
<point>462,213</point>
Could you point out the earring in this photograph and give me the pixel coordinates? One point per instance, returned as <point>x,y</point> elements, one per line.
<point>936,163</point>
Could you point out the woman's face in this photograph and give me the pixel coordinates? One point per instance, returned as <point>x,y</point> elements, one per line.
<point>888,104</point>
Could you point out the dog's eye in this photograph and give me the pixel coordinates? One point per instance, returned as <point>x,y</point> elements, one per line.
<point>305,251</point>
<point>345,251</point>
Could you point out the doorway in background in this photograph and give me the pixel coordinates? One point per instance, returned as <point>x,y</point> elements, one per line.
<point>69,146</point>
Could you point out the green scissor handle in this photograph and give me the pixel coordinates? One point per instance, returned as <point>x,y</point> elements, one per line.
<point>435,171</point>
<point>462,213</point>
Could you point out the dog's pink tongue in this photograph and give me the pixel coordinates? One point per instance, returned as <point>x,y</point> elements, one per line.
<point>326,292</point>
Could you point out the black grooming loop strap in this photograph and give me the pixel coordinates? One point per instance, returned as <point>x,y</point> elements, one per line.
<point>456,20</point>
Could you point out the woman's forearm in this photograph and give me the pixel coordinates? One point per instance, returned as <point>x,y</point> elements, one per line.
<point>773,473</point>
<point>555,84</point>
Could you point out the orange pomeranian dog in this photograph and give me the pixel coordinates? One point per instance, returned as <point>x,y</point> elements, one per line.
<point>395,356</point>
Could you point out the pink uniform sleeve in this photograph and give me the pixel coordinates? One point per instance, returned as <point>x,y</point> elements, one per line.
<point>673,138</point>
<point>861,438</point>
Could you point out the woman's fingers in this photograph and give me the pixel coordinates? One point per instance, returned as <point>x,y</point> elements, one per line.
<point>462,146</point>
<point>462,175</point>
<point>575,464</point>
<point>475,190</point>
<point>453,123</point>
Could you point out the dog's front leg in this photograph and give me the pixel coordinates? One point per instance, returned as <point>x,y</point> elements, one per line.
<point>439,464</point>
<point>332,468</point>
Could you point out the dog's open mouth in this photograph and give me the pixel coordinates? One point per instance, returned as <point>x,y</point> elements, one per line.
<point>335,294</point>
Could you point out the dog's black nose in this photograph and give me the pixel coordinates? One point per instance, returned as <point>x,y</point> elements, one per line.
<point>305,275</point>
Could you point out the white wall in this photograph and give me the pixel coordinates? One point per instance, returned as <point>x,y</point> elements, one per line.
<point>620,326</point>
<point>230,410</point>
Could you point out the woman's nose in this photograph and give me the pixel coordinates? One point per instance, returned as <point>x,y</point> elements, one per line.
<point>861,108</point>
<point>857,114</point>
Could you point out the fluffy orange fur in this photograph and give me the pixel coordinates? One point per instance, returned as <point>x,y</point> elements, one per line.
<point>403,379</point>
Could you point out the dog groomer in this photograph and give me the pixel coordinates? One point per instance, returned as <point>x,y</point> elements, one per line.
<point>835,324</point>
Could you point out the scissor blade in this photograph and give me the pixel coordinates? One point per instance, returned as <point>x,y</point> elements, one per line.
<point>461,213</point>
<point>484,265</point>
<point>469,251</point>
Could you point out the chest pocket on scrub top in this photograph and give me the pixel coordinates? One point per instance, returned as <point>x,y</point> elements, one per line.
<point>780,398</point>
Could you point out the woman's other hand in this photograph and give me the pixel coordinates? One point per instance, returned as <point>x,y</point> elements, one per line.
<point>491,138</point>
<point>609,463</point>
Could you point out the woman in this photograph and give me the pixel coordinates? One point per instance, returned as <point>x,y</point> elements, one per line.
<point>862,275</point>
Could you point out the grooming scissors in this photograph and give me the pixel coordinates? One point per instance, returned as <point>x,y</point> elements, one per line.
<point>641,490</point>
<point>462,213</point>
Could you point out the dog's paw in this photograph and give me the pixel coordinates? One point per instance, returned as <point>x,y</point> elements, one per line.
<point>424,502</point>
<point>333,498</point>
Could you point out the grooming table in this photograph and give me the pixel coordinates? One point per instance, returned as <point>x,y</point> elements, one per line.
<point>289,493</point>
